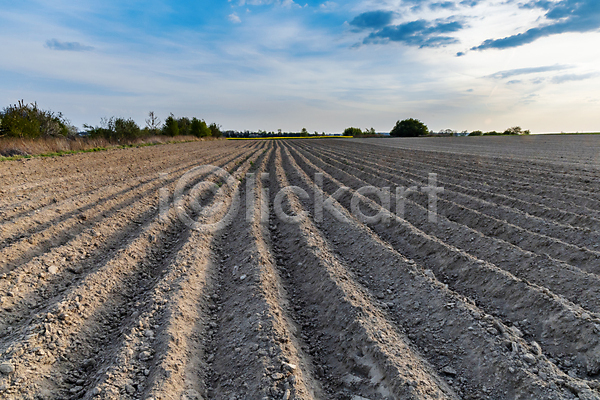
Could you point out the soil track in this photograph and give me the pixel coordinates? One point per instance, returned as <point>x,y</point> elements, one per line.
<point>107,293</point>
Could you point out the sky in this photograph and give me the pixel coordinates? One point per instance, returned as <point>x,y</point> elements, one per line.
<point>319,65</point>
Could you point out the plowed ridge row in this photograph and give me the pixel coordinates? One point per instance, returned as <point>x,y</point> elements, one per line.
<point>107,293</point>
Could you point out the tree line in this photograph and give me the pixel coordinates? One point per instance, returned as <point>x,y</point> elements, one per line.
<point>412,127</point>
<point>23,120</point>
<point>122,128</point>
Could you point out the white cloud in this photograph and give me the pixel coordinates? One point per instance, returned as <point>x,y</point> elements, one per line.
<point>328,6</point>
<point>234,18</point>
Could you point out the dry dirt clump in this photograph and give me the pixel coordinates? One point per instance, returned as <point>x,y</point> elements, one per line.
<point>107,293</point>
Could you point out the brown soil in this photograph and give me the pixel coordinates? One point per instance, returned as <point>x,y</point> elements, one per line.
<point>102,298</point>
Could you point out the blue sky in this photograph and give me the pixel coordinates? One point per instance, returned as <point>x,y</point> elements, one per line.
<point>323,65</point>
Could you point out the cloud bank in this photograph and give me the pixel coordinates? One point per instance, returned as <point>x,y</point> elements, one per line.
<point>525,71</point>
<point>417,33</point>
<point>373,19</point>
<point>564,16</point>
<point>55,44</point>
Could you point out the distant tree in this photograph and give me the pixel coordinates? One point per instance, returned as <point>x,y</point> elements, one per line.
<point>153,123</point>
<point>171,127</point>
<point>116,129</point>
<point>515,130</point>
<point>409,128</point>
<point>184,124</point>
<point>371,131</point>
<point>125,129</point>
<point>476,133</point>
<point>28,121</point>
<point>199,128</point>
<point>215,130</point>
<point>352,131</point>
<point>492,133</point>
<point>303,132</point>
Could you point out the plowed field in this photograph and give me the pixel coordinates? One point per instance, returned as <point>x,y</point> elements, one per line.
<point>131,274</point>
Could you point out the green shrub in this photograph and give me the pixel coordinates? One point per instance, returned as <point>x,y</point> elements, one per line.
<point>184,124</point>
<point>199,129</point>
<point>28,121</point>
<point>215,130</point>
<point>116,129</point>
<point>409,128</point>
<point>171,127</point>
<point>352,131</point>
<point>476,133</point>
<point>125,129</point>
<point>515,130</point>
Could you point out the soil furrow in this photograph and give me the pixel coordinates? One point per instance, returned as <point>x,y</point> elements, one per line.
<point>563,279</point>
<point>493,181</point>
<point>125,275</point>
<point>48,275</point>
<point>550,320</point>
<point>363,355</point>
<point>445,324</point>
<point>49,230</point>
<point>502,150</point>
<point>253,352</point>
<point>518,227</point>
<point>52,191</point>
<point>174,317</point>
<point>89,316</point>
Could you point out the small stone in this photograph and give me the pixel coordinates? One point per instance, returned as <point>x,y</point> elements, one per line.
<point>277,376</point>
<point>586,316</point>
<point>96,391</point>
<point>492,331</point>
<point>53,269</point>
<point>148,333</point>
<point>76,389</point>
<point>242,277</point>
<point>516,331</point>
<point>130,389</point>
<point>191,394</point>
<point>449,370</point>
<point>286,395</point>
<point>289,367</point>
<point>76,269</point>
<point>7,368</point>
<point>145,356</point>
<point>536,348</point>
<point>529,358</point>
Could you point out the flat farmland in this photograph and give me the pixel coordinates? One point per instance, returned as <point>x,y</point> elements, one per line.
<point>451,268</point>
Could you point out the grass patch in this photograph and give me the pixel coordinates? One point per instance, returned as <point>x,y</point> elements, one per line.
<point>19,149</point>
